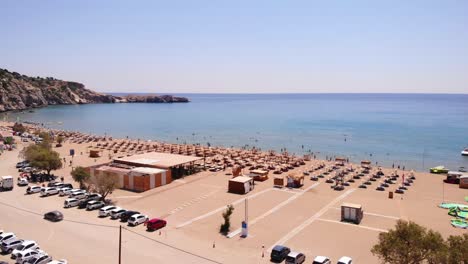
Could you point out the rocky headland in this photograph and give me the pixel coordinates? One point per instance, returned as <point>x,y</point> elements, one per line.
<point>21,92</point>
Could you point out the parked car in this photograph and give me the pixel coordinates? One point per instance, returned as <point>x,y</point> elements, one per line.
<point>295,258</point>
<point>155,224</point>
<point>105,211</point>
<point>279,253</point>
<point>70,202</point>
<point>137,219</point>
<point>10,245</point>
<point>24,256</point>
<point>94,196</point>
<point>321,260</point>
<point>22,182</point>
<point>4,237</point>
<point>91,205</point>
<point>117,212</point>
<point>22,164</point>
<point>60,261</point>
<point>65,191</point>
<point>78,195</point>
<point>345,260</point>
<point>125,216</point>
<point>33,189</point>
<point>53,216</point>
<point>26,245</point>
<point>25,169</point>
<point>49,191</point>
<point>41,259</point>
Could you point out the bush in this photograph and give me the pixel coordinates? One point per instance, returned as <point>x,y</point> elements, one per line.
<point>226,226</point>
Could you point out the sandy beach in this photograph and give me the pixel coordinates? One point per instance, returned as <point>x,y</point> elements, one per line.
<point>306,219</point>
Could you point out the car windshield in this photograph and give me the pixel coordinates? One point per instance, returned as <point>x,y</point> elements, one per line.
<point>21,247</point>
<point>32,260</point>
<point>291,259</point>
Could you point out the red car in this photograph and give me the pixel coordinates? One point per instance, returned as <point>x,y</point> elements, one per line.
<point>155,224</point>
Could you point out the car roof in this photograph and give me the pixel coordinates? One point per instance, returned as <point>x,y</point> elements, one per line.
<point>6,234</point>
<point>320,258</point>
<point>345,259</point>
<point>278,247</point>
<point>293,254</point>
<point>55,212</point>
<point>155,220</point>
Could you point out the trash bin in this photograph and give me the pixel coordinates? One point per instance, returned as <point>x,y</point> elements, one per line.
<point>390,195</point>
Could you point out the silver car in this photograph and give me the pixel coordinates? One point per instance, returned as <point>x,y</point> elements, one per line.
<point>10,245</point>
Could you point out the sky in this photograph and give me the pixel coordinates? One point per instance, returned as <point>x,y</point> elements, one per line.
<point>271,46</point>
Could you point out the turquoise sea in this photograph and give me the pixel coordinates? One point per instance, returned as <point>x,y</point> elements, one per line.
<point>415,130</point>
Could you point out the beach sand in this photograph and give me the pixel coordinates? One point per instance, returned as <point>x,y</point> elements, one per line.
<point>305,219</point>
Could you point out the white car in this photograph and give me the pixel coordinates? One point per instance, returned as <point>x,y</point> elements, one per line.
<point>22,182</point>
<point>94,196</point>
<point>105,211</point>
<point>137,219</point>
<point>24,256</point>
<point>95,205</point>
<point>33,189</point>
<point>117,212</point>
<point>70,202</point>
<point>26,245</point>
<point>65,191</point>
<point>60,261</point>
<point>7,236</point>
<point>345,260</point>
<point>40,259</point>
<point>321,260</point>
<point>49,191</point>
<point>78,195</point>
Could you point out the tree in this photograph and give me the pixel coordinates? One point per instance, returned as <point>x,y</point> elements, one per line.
<point>226,226</point>
<point>59,140</point>
<point>42,158</point>
<point>458,249</point>
<point>410,243</point>
<point>80,175</point>
<point>103,184</point>
<point>18,127</point>
<point>9,141</point>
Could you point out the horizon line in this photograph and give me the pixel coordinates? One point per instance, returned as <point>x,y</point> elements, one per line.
<point>280,93</point>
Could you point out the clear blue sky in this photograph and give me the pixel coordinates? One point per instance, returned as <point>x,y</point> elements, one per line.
<point>241,46</point>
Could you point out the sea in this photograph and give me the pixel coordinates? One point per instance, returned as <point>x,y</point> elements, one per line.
<point>417,131</point>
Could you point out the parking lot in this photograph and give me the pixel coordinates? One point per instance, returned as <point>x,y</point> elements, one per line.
<point>305,219</point>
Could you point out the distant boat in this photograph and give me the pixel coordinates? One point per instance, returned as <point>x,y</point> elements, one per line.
<point>439,170</point>
<point>465,152</point>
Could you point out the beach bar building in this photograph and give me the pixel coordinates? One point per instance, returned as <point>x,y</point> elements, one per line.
<point>143,172</point>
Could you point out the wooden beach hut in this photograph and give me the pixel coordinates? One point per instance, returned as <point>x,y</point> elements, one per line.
<point>278,181</point>
<point>351,213</point>
<point>241,185</point>
<point>259,175</point>
<point>295,180</point>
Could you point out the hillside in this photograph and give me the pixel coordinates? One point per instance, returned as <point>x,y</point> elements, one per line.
<point>20,92</point>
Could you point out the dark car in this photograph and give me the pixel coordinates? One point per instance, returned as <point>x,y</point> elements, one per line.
<point>54,216</point>
<point>125,216</point>
<point>279,253</point>
<point>66,185</point>
<point>84,202</point>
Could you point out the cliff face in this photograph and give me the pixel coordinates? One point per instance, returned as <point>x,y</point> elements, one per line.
<point>20,92</point>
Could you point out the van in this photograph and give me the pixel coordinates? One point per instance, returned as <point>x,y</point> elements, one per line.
<point>70,202</point>
<point>6,183</point>
<point>295,258</point>
<point>279,253</point>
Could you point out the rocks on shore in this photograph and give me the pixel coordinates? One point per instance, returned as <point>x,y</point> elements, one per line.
<point>21,92</point>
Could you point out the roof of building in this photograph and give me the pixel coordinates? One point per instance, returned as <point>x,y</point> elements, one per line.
<point>146,170</point>
<point>352,205</point>
<point>157,159</point>
<point>241,179</point>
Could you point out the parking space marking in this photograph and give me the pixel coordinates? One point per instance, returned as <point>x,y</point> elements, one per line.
<point>193,201</point>
<point>309,221</point>
<point>222,208</point>
<point>354,225</point>
<point>274,209</point>
<point>374,214</point>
